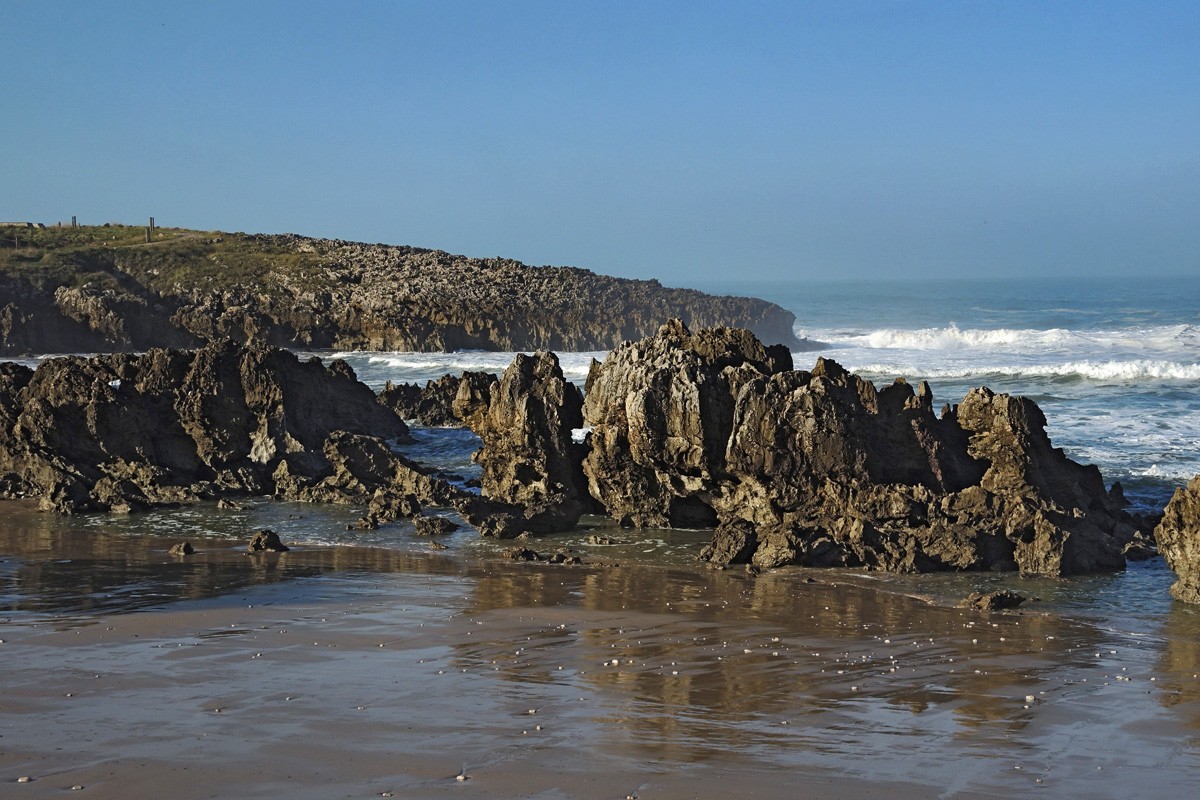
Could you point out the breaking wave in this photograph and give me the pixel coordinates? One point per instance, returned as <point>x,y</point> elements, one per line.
<point>1099,371</point>
<point>1157,339</point>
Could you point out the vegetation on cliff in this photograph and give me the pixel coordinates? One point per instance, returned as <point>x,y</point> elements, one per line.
<point>107,288</point>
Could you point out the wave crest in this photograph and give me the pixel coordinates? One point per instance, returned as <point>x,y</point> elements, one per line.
<point>1100,371</point>
<point>1157,339</point>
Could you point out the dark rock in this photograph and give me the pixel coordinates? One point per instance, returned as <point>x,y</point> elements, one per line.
<point>528,457</point>
<point>557,557</point>
<point>993,601</point>
<point>523,554</point>
<point>267,541</point>
<point>448,401</point>
<point>434,526</point>
<point>1178,536</point>
<point>734,542</point>
<point>1141,548</point>
<point>822,469</point>
<point>182,549</point>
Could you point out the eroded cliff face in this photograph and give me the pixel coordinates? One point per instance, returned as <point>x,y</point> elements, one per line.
<point>295,291</point>
<point>821,468</point>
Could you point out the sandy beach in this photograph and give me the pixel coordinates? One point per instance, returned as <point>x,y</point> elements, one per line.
<point>365,672</point>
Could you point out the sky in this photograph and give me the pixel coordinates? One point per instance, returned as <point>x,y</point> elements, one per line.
<point>689,142</point>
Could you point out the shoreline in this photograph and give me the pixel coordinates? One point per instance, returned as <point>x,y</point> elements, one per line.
<point>711,665</point>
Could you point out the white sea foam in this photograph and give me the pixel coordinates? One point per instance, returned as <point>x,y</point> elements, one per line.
<point>1076,344</point>
<point>374,368</point>
<point>1099,371</point>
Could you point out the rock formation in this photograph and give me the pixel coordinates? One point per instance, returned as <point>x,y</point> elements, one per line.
<point>529,458</point>
<point>820,468</point>
<point>1178,536</point>
<point>122,432</point>
<point>450,401</point>
<point>266,541</point>
<point>105,289</point>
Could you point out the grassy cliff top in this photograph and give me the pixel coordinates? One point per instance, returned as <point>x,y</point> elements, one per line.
<point>174,258</point>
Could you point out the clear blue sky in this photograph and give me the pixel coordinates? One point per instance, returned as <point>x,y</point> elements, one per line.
<point>685,141</point>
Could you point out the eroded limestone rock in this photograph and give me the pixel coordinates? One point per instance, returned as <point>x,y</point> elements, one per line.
<point>820,468</point>
<point>1178,536</point>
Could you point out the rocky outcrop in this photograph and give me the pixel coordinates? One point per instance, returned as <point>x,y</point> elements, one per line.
<point>102,290</point>
<point>660,413</point>
<point>449,401</point>
<point>529,458</point>
<point>121,431</point>
<point>1178,536</point>
<point>821,468</point>
<point>266,541</point>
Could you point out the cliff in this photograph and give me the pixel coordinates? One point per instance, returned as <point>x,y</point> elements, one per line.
<point>107,289</point>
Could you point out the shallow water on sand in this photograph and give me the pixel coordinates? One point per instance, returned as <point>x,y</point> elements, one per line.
<point>353,671</point>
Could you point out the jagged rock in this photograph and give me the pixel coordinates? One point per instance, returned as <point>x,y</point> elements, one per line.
<point>820,468</point>
<point>169,426</point>
<point>434,526</point>
<point>734,542</point>
<point>528,457</point>
<point>660,412</point>
<point>267,541</point>
<point>1141,548</point>
<point>993,601</point>
<point>449,401</point>
<point>1178,537</point>
<point>182,549</point>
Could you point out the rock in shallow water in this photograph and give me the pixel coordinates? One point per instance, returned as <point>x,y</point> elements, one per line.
<point>821,468</point>
<point>1178,536</point>
<point>993,601</point>
<point>267,541</point>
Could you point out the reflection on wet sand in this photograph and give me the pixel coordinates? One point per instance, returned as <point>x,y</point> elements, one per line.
<point>70,571</point>
<point>1179,664</point>
<point>696,664</point>
<point>643,668</point>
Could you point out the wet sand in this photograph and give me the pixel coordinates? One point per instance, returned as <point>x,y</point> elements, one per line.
<point>361,672</point>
